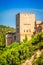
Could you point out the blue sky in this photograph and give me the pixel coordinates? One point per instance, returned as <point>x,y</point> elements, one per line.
<point>9,9</point>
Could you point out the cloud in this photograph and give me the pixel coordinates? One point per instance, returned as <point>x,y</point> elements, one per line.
<point>40,10</point>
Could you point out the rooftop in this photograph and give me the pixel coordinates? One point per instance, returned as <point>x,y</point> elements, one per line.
<point>9,32</point>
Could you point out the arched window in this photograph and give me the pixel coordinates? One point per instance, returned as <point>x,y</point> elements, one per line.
<point>27,31</point>
<point>24,30</point>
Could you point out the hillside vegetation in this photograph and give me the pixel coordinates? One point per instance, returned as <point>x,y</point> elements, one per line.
<point>39,60</point>
<point>17,53</point>
<point>3,30</point>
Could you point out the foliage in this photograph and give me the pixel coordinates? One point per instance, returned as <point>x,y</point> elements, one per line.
<point>26,39</point>
<point>39,61</point>
<point>37,38</point>
<point>17,53</point>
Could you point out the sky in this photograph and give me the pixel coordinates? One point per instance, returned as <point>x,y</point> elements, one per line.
<point>9,9</point>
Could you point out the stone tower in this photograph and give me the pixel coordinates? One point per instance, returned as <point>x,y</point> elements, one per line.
<point>25,23</point>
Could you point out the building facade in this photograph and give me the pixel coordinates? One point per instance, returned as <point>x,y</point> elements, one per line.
<point>25,23</point>
<point>10,37</point>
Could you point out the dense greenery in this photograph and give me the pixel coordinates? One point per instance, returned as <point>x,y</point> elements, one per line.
<point>3,30</point>
<point>17,53</point>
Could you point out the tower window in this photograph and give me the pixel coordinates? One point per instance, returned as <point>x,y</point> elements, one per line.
<point>27,31</point>
<point>24,30</point>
